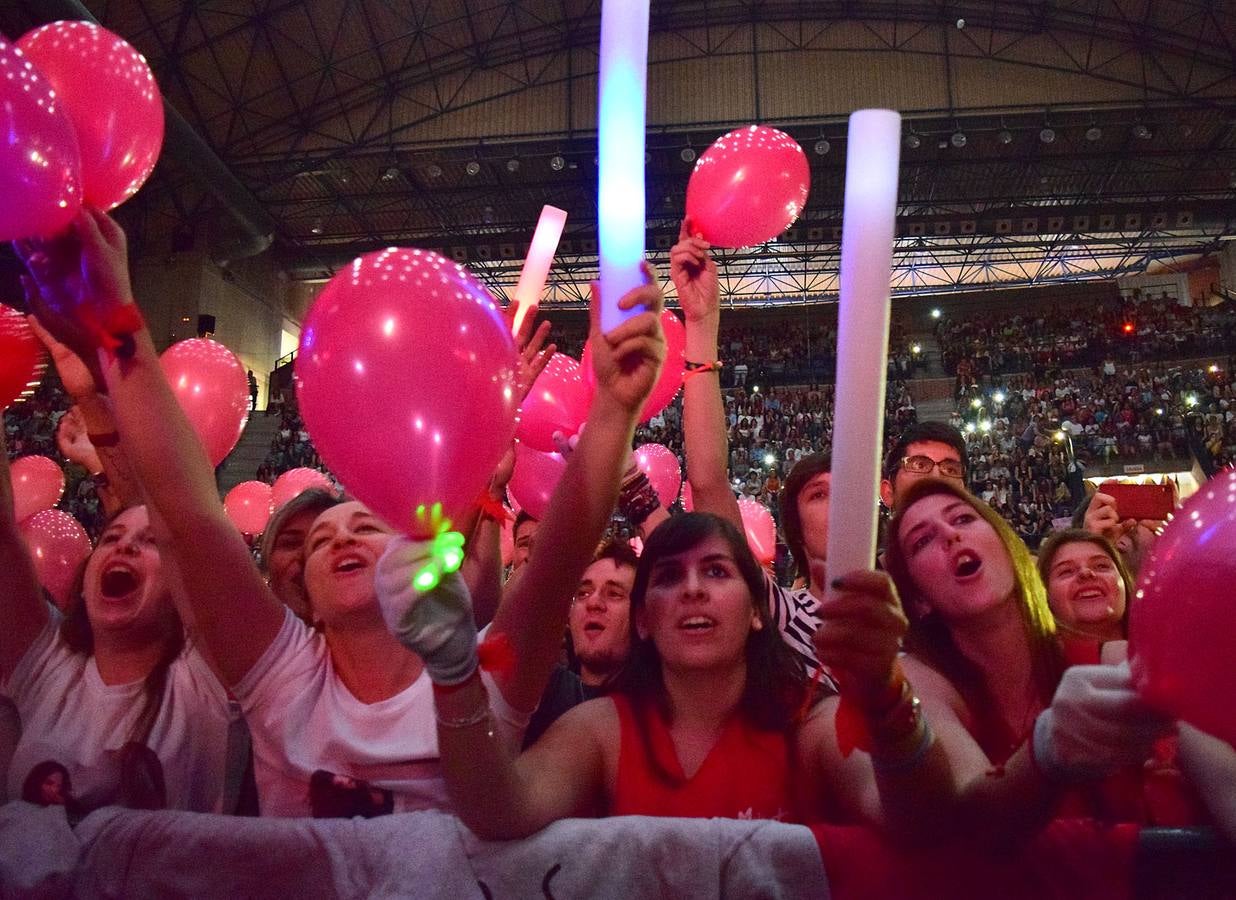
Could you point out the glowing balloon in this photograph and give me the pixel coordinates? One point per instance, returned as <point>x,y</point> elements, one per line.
<point>249,506</point>
<point>110,95</point>
<point>58,546</point>
<point>213,390</point>
<point>748,187</point>
<point>761,530</point>
<point>669,382</point>
<point>21,354</point>
<point>406,379</point>
<point>558,401</point>
<point>294,482</point>
<point>1185,603</point>
<point>38,483</point>
<point>535,477</point>
<point>661,466</point>
<point>40,166</point>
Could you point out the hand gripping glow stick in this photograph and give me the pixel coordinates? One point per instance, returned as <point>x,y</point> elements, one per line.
<point>446,553</point>
<point>620,135</point>
<point>867,226</point>
<point>536,267</point>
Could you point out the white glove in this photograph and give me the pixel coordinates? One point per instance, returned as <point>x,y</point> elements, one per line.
<point>1096,723</point>
<point>436,624</point>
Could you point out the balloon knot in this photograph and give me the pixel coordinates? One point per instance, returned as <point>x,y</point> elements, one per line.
<point>496,655</point>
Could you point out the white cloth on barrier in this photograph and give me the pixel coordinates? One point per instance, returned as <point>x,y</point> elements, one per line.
<point>129,853</point>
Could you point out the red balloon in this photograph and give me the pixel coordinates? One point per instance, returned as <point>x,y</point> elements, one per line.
<point>40,166</point>
<point>406,378</point>
<point>661,466</point>
<point>535,477</point>
<point>248,505</point>
<point>669,382</point>
<point>213,390</point>
<point>748,187</point>
<point>761,530</point>
<point>21,355</point>
<point>38,484</point>
<point>558,401</point>
<point>294,482</point>
<point>1185,608</point>
<point>58,546</point>
<point>110,95</point>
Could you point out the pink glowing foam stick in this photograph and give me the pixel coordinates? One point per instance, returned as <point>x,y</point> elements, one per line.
<point>872,156</point>
<point>536,267</point>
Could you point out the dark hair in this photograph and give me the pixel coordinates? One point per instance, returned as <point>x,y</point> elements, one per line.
<point>776,685</point>
<point>930,638</point>
<point>32,787</point>
<point>521,517</point>
<point>791,523</point>
<point>78,635</point>
<point>619,551</point>
<point>1052,546</point>
<point>919,432</point>
<point>315,500</point>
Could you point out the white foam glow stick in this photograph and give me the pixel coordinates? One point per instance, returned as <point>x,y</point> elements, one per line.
<point>540,257</point>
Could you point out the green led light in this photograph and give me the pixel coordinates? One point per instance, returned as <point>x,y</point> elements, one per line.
<point>426,579</point>
<point>452,559</point>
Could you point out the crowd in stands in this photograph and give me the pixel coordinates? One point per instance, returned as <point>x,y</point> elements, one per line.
<point>959,720</point>
<point>1118,330</point>
<point>291,447</point>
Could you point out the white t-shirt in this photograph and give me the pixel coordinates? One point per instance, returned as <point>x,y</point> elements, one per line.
<point>69,716</point>
<point>304,720</point>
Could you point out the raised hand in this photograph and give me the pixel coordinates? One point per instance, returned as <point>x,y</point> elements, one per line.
<point>694,273</point>
<point>628,359</point>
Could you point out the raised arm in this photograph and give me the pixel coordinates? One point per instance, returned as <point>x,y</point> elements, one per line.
<point>235,614</point>
<point>534,611</point>
<point>705,433</point>
<point>23,614</point>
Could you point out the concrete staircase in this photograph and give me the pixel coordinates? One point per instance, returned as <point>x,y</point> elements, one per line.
<point>934,410</point>
<point>933,366</point>
<point>242,463</point>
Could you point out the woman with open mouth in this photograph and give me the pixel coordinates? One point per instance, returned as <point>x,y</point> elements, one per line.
<point>112,680</point>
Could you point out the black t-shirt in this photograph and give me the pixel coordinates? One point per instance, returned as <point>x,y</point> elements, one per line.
<point>565,690</point>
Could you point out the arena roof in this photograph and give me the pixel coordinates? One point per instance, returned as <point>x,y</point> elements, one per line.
<point>1043,140</point>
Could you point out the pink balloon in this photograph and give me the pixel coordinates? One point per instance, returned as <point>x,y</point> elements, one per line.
<point>748,187</point>
<point>248,505</point>
<point>761,530</point>
<point>1185,607</point>
<point>58,546</point>
<point>40,165</point>
<point>688,499</point>
<point>669,382</point>
<point>661,466</point>
<point>558,401</point>
<point>38,483</point>
<point>21,354</point>
<point>110,95</point>
<point>213,390</point>
<point>536,475</point>
<point>406,380</point>
<point>294,482</point>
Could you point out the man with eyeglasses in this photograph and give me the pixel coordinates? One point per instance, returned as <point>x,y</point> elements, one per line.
<point>924,450</point>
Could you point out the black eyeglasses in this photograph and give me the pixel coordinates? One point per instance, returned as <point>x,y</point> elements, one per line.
<point>925,465</point>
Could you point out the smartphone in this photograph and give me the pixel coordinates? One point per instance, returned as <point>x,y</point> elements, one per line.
<point>1139,501</point>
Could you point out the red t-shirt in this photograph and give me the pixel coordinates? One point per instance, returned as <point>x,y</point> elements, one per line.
<point>746,774</point>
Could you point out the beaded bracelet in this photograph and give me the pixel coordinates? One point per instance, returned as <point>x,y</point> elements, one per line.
<point>476,718</point>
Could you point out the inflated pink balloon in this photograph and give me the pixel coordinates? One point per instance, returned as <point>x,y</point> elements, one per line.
<point>110,96</point>
<point>761,530</point>
<point>406,379</point>
<point>294,482</point>
<point>536,475</point>
<point>748,187</point>
<point>249,506</point>
<point>661,466</point>
<point>558,401</point>
<point>213,390</point>
<point>58,546</point>
<point>1185,604</point>
<point>669,382</point>
<point>40,165</point>
<point>38,484</point>
<point>21,355</point>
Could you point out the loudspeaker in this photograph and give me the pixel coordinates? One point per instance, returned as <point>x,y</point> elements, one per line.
<point>205,325</point>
